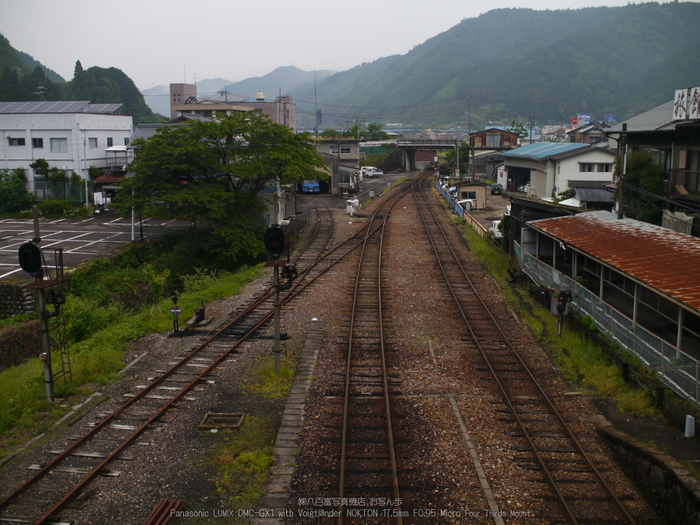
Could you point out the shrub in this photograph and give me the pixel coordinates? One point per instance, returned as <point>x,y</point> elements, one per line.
<point>61,209</point>
<point>13,193</point>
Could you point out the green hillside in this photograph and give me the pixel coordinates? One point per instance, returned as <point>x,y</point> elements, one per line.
<point>19,82</point>
<point>111,85</point>
<point>518,62</point>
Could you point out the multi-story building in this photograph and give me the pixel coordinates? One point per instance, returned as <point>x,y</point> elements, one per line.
<point>282,110</point>
<point>72,136</point>
<point>179,94</point>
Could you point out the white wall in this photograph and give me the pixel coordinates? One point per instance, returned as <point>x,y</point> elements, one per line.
<point>76,128</point>
<point>570,169</point>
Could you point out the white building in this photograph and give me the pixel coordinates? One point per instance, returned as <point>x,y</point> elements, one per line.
<point>547,169</point>
<point>69,135</point>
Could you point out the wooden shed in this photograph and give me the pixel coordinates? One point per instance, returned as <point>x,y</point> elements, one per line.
<point>475,191</point>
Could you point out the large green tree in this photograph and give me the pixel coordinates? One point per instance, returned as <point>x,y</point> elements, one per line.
<point>643,184</point>
<point>217,174</point>
<point>13,192</point>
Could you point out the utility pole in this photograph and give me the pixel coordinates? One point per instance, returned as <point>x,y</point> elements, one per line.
<point>469,125</point>
<point>532,120</point>
<point>621,187</point>
<point>45,344</point>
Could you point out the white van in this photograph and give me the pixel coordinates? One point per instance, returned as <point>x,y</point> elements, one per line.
<point>366,170</point>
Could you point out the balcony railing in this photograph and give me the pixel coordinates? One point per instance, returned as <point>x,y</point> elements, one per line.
<point>688,179</point>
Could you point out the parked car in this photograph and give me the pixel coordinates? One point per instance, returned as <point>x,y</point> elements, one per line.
<point>365,170</point>
<point>376,173</point>
<point>496,189</point>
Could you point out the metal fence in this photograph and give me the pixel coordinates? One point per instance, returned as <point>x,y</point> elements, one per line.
<point>677,370</point>
<point>450,200</point>
<point>471,221</point>
<point>62,191</point>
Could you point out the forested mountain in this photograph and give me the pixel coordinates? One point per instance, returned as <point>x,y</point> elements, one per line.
<point>520,62</point>
<point>33,64</point>
<point>111,85</point>
<point>19,82</point>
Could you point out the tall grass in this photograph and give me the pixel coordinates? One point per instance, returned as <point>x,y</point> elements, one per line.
<point>97,351</point>
<point>583,363</point>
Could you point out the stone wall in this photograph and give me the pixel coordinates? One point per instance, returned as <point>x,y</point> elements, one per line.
<point>668,486</point>
<point>15,299</point>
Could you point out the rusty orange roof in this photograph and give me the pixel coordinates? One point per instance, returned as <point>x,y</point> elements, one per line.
<point>661,258</point>
<point>111,177</point>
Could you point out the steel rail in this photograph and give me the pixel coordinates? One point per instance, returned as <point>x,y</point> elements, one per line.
<point>502,388</point>
<point>348,366</point>
<point>163,378</point>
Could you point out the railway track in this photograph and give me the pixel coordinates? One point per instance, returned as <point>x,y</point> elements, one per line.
<point>550,449</point>
<point>368,454</point>
<point>38,500</point>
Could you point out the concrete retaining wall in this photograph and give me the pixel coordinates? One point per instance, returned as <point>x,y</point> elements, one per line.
<point>668,486</point>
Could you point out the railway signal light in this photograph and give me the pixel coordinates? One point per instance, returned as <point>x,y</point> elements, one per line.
<point>289,272</point>
<point>30,259</point>
<point>274,242</point>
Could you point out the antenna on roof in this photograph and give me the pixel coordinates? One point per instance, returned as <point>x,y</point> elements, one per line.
<point>40,89</point>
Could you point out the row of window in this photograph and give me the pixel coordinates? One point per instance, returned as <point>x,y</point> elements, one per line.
<point>598,167</point>
<point>59,145</point>
<point>343,149</point>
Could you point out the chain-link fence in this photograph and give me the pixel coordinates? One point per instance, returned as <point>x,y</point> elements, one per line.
<point>62,191</point>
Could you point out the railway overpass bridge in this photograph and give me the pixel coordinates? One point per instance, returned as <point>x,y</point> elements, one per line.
<point>416,154</point>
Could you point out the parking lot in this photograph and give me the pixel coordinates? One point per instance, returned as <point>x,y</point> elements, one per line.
<point>80,239</point>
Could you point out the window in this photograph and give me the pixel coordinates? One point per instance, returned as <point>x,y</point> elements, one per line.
<point>126,141</point>
<point>600,167</point>
<point>344,149</point>
<point>37,143</point>
<point>11,141</point>
<point>92,143</point>
<point>59,145</point>
<point>334,150</point>
<point>110,142</point>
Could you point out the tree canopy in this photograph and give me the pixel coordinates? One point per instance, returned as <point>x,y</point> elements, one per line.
<point>645,175</point>
<point>216,174</point>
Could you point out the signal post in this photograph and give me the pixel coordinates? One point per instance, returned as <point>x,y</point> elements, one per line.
<point>275,244</point>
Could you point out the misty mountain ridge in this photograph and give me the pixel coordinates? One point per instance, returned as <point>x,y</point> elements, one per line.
<point>509,63</point>
<point>502,65</point>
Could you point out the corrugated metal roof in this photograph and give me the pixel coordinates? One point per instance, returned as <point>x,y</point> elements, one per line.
<point>651,120</point>
<point>663,259</point>
<point>228,98</point>
<point>57,106</point>
<point>544,150</point>
<point>594,194</point>
<point>144,131</point>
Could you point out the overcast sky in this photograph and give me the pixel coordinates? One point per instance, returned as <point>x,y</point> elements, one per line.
<point>162,41</point>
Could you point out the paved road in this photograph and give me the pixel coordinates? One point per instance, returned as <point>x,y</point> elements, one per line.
<point>80,239</point>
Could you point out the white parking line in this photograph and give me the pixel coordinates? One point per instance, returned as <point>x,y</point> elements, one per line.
<point>57,221</point>
<point>10,273</point>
